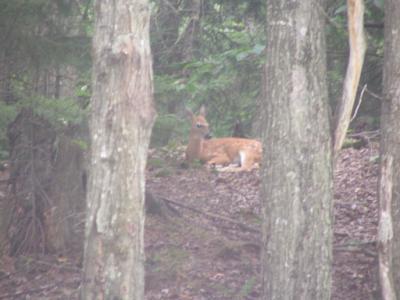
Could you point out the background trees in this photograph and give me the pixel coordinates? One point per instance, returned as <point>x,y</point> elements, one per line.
<point>227,40</point>
<point>44,61</point>
<point>205,52</point>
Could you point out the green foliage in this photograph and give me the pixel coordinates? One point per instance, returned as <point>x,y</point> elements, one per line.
<point>40,38</point>
<point>217,62</point>
<point>59,112</point>
<point>167,126</point>
<point>80,143</point>
<point>225,71</point>
<point>155,163</point>
<point>196,164</point>
<point>247,288</point>
<point>374,159</point>
<point>7,114</point>
<point>164,172</point>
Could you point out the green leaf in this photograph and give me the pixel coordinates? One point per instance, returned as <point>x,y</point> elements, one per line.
<point>341,9</point>
<point>258,49</point>
<point>241,56</point>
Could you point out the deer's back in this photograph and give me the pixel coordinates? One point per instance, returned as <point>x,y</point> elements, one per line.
<point>231,147</point>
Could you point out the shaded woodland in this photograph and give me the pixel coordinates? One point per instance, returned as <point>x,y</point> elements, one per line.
<point>203,228</point>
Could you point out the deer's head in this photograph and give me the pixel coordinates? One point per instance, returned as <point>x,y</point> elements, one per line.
<point>200,128</point>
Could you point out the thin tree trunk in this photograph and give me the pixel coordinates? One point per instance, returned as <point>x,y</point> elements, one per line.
<point>192,30</point>
<point>297,170</point>
<point>390,149</point>
<point>121,122</point>
<point>385,232</point>
<point>355,16</point>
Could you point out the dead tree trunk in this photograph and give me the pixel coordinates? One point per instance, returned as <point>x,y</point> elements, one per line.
<point>355,17</point>
<point>121,120</point>
<point>297,171</point>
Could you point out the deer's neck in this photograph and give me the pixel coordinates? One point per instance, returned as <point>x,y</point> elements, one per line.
<point>195,148</point>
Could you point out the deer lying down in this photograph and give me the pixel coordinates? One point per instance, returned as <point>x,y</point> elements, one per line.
<point>220,151</point>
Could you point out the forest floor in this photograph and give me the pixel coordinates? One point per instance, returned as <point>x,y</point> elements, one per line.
<point>208,244</point>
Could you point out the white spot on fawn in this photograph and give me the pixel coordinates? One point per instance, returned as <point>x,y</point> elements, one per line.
<point>242,156</point>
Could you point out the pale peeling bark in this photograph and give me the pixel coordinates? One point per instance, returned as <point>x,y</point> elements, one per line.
<point>297,169</point>
<point>385,232</point>
<point>390,142</point>
<point>121,122</point>
<point>357,43</point>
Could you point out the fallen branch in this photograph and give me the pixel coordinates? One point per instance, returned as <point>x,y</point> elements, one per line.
<point>214,216</point>
<point>370,134</point>
<point>357,246</point>
<point>365,137</point>
<point>27,292</point>
<point>56,266</point>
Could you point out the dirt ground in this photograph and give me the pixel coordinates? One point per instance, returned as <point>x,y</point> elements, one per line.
<point>207,245</point>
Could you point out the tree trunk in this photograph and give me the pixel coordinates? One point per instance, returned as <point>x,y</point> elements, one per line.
<point>385,232</point>
<point>191,34</point>
<point>121,120</point>
<point>297,168</point>
<point>389,245</point>
<point>47,174</point>
<point>355,16</point>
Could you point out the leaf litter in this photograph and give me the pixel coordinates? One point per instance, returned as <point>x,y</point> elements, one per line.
<point>202,252</point>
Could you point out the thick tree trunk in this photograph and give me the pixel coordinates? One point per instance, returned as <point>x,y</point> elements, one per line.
<point>122,117</point>
<point>390,149</point>
<point>297,168</point>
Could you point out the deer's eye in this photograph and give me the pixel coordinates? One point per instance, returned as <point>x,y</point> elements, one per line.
<point>198,125</point>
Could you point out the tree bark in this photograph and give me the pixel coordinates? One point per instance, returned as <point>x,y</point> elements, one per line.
<point>355,16</point>
<point>297,169</point>
<point>390,142</point>
<point>385,231</point>
<point>121,122</point>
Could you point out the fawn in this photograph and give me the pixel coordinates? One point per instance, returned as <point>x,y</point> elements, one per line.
<point>220,151</point>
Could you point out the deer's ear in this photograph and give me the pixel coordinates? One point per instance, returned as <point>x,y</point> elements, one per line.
<point>202,111</point>
<point>189,113</point>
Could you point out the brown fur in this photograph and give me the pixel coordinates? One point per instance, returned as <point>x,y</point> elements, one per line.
<point>220,151</point>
